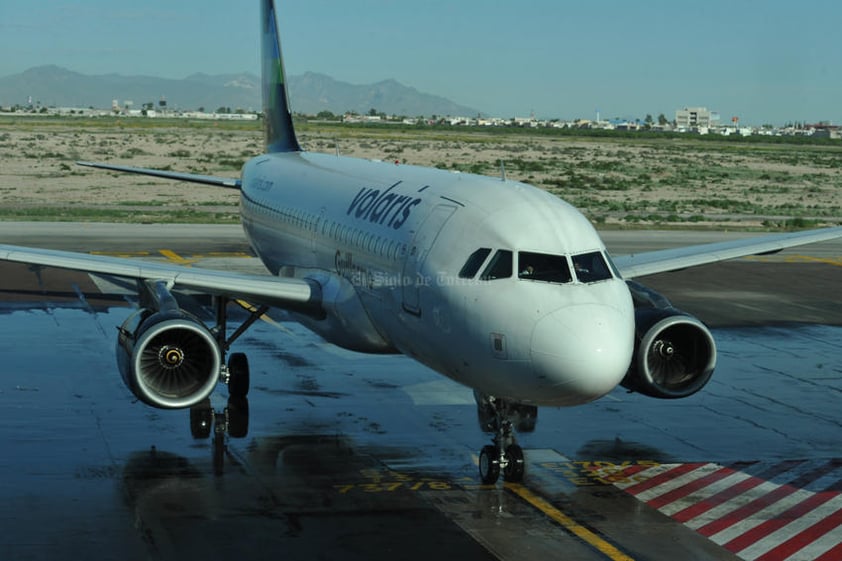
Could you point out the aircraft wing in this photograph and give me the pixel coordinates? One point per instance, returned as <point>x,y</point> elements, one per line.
<point>287,293</point>
<point>651,262</point>
<point>229,182</point>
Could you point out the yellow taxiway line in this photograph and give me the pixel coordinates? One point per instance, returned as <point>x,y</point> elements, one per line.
<point>568,523</point>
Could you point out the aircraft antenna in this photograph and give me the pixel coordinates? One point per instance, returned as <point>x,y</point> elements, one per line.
<point>502,170</point>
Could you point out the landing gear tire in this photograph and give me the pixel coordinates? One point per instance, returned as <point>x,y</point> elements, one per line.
<point>489,465</point>
<point>201,420</point>
<point>232,422</point>
<point>238,375</point>
<point>513,473</point>
<point>237,415</point>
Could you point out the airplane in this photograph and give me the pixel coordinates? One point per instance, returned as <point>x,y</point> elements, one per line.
<point>494,283</point>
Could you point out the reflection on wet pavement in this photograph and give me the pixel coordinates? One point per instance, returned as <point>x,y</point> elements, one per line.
<point>342,455</point>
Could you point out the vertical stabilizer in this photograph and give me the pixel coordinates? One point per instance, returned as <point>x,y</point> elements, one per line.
<point>277,117</point>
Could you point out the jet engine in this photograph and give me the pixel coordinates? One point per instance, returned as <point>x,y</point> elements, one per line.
<point>675,353</point>
<point>168,358</point>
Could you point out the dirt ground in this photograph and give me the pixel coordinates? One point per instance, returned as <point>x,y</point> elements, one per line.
<point>615,182</point>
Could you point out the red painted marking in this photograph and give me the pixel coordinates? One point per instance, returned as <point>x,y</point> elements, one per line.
<point>837,486</point>
<point>832,554</point>
<point>745,511</point>
<point>631,470</point>
<point>684,490</point>
<point>738,489</point>
<point>782,547</point>
<point>715,500</point>
<point>779,521</point>
<point>662,478</point>
<point>813,475</point>
<point>808,536</point>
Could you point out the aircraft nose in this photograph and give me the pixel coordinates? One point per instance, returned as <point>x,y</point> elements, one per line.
<point>582,352</point>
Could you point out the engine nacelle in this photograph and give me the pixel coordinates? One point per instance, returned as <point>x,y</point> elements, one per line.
<point>168,359</point>
<point>675,353</point>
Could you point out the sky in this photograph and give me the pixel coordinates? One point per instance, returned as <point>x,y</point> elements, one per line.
<point>762,61</point>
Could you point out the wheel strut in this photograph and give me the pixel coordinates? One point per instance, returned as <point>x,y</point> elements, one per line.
<point>236,373</point>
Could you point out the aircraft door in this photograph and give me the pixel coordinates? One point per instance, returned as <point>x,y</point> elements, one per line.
<point>315,232</point>
<point>422,242</point>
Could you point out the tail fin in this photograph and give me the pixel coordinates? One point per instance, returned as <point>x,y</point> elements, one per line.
<point>277,117</point>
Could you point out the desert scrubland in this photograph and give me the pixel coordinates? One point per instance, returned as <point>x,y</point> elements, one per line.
<point>639,181</point>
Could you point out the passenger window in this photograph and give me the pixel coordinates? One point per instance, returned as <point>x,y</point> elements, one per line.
<point>543,267</point>
<point>591,267</point>
<point>474,262</point>
<point>500,266</point>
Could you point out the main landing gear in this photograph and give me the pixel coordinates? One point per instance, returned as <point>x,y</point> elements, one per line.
<point>236,374</point>
<point>504,456</point>
<point>233,420</point>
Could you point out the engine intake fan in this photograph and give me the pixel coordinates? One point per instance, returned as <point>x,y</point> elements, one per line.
<point>168,359</point>
<point>675,353</point>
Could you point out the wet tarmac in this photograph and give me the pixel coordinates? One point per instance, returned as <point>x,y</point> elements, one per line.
<point>350,456</point>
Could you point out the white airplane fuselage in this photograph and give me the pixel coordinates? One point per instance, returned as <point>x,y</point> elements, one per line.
<point>387,244</point>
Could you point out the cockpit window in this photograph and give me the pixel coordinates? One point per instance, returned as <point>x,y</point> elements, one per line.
<point>474,262</point>
<point>543,267</point>
<point>614,270</point>
<point>591,267</point>
<point>500,266</point>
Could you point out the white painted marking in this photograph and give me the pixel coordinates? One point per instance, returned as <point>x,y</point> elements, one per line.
<point>731,505</point>
<point>645,475</point>
<point>797,473</point>
<point>677,482</point>
<point>794,528</point>
<point>825,481</point>
<point>819,547</point>
<point>761,516</point>
<point>704,493</point>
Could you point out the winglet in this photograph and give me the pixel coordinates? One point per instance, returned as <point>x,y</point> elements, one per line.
<point>277,117</point>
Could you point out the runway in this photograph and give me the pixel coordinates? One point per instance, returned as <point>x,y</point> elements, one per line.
<point>351,456</point>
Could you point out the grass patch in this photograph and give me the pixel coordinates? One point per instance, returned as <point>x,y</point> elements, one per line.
<point>630,178</point>
<point>180,216</point>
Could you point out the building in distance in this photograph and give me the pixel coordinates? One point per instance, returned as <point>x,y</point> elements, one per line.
<point>695,118</point>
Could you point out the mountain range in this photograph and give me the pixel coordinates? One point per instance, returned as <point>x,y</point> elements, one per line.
<point>309,93</point>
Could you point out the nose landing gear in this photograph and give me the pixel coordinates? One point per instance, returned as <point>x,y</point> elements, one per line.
<point>504,455</point>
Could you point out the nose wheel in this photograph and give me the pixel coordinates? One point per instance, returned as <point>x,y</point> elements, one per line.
<point>491,463</point>
<point>504,455</point>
